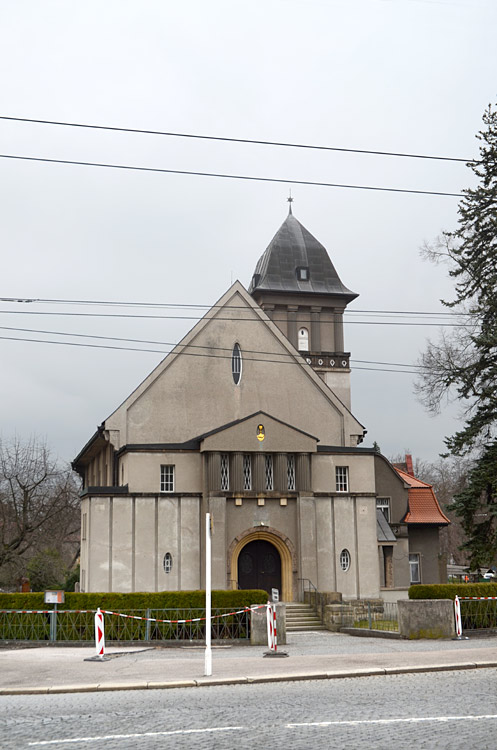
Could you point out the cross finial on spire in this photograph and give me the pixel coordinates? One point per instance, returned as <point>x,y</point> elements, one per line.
<point>290,201</point>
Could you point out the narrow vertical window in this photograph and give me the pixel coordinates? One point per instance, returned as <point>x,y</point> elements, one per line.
<point>268,464</point>
<point>303,340</point>
<point>290,471</point>
<point>236,364</point>
<point>342,478</point>
<point>247,471</point>
<point>168,562</point>
<point>225,471</point>
<point>83,527</point>
<point>414,568</point>
<point>167,478</point>
<point>383,504</point>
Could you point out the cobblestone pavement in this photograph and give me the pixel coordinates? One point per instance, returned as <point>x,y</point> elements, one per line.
<point>422,711</point>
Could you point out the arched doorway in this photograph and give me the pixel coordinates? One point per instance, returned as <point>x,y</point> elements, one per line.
<point>259,566</point>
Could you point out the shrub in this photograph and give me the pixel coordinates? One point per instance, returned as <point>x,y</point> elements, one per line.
<point>451,590</point>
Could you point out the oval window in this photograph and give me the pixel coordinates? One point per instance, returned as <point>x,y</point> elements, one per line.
<point>168,562</point>
<point>236,364</point>
<point>345,560</point>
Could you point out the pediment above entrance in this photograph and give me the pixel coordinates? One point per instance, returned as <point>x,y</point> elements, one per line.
<point>246,436</point>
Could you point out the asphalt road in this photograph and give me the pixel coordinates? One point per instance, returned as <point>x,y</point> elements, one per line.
<point>436,710</point>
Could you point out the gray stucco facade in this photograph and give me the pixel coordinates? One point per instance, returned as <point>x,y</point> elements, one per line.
<point>248,419</point>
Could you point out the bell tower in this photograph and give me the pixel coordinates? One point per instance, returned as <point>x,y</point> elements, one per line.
<point>298,287</point>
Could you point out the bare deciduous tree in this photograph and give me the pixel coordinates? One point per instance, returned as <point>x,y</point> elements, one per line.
<point>39,504</point>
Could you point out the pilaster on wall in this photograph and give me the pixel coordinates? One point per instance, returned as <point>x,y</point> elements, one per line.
<point>307,538</point>
<point>217,509</point>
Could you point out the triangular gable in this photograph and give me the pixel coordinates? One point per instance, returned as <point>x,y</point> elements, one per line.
<point>245,435</point>
<point>161,411</point>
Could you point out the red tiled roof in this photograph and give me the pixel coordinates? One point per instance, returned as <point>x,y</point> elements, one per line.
<point>423,505</point>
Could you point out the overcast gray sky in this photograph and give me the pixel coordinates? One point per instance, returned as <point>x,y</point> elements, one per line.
<point>389,75</point>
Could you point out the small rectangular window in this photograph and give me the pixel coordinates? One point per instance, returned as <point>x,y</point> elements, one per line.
<point>290,471</point>
<point>83,526</point>
<point>268,465</point>
<point>383,504</point>
<point>167,478</point>
<point>225,471</point>
<point>414,568</point>
<point>342,478</point>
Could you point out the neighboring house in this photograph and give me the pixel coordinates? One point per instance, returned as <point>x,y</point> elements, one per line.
<point>424,520</point>
<point>248,418</point>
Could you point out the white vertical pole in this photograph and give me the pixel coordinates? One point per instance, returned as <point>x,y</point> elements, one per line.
<point>208,598</point>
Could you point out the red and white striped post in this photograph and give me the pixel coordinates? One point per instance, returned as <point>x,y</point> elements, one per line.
<point>272,636</point>
<point>99,634</point>
<point>457,614</point>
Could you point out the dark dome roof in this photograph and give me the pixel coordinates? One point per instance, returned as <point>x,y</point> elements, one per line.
<point>292,248</point>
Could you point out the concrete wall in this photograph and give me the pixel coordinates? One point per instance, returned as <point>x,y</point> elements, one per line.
<point>130,538</point>
<point>258,627</point>
<point>361,472</point>
<point>142,471</point>
<point>426,618</point>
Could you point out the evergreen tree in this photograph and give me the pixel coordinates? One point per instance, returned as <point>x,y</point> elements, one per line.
<point>464,363</point>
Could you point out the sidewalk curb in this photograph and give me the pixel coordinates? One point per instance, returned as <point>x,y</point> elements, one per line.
<point>250,679</point>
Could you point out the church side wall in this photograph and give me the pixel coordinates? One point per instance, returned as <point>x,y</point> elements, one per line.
<point>130,537</point>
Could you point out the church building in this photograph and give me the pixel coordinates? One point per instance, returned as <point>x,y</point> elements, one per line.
<point>249,418</point>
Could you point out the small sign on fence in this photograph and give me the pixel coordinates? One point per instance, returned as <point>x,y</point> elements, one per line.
<point>54,597</point>
<point>275,595</point>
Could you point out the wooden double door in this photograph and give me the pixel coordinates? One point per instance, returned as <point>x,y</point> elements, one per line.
<point>259,566</point>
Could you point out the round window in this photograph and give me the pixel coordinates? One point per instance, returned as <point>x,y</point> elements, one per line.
<point>345,560</point>
<point>168,562</point>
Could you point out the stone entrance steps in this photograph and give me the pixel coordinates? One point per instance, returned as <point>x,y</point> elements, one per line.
<point>301,617</point>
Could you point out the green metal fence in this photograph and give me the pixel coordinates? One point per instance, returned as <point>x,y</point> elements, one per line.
<point>378,617</point>
<point>478,613</point>
<point>144,625</point>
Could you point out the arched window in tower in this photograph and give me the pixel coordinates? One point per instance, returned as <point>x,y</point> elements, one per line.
<point>236,364</point>
<point>303,340</point>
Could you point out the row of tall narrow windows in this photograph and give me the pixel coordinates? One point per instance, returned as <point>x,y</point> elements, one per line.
<point>247,472</point>
<point>167,477</point>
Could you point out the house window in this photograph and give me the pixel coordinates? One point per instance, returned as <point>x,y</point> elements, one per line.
<point>236,364</point>
<point>342,478</point>
<point>345,560</point>
<point>383,504</point>
<point>82,583</point>
<point>83,527</point>
<point>268,464</point>
<point>303,340</point>
<point>247,471</point>
<point>414,568</point>
<point>303,273</point>
<point>290,471</point>
<point>168,562</point>
<point>225,471</point>
<point>167,478</point>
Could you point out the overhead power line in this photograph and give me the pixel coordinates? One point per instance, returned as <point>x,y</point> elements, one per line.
<point>197,306</point>
<point>226,139</point>
<point>194,173</point>
<point>218,317</point>
<point>182,353</point>
<point>290,358</point>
